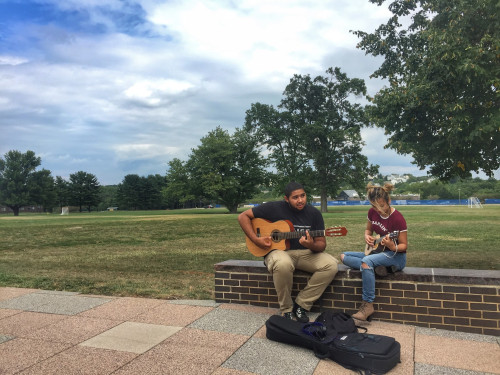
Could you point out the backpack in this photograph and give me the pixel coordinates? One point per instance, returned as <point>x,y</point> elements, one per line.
<point>361,352</point>
<point>339,322</point>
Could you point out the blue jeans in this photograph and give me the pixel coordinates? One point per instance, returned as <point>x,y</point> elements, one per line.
<point>387,258</point>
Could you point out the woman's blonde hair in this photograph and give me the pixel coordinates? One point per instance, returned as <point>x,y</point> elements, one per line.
<point>374,192</point>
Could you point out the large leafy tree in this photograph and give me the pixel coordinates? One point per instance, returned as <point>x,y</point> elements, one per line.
<point>153,186</point>
<point>129,192</point>
<point>281,133</point>
<point>85,190</point>
<point>140,193</point>
<point>315,136</point>
<point>44,192</point>
<point>62,191</point>
<point>178,193</point>
<point>227,168</point>
<point>442,102</point>
<point>18,180</point>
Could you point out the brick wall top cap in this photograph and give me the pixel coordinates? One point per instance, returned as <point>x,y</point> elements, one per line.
<point>438,275</point>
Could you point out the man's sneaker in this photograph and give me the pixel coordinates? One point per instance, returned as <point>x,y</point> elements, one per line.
<point>288,315</point>
<point>300,314</point>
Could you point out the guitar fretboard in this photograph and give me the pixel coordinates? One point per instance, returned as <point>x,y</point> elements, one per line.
<point>392,236</point>
<point>278,236</point>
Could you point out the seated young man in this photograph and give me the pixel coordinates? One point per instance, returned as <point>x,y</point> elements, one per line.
<point>305,253</point>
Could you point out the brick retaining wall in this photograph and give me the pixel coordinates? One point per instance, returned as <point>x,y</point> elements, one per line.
<point>451,299</point>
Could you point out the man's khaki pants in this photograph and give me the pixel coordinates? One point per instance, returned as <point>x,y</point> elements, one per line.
<point>282,264</point>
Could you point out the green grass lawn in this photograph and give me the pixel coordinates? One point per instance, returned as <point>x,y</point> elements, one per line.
<point>171,254</point>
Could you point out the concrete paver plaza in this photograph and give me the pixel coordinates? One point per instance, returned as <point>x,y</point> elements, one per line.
<point>47,332</point>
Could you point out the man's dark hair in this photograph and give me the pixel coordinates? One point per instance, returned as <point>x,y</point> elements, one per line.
<point>292,186</point>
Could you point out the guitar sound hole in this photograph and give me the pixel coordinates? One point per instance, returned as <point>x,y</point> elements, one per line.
<point>275,236</point>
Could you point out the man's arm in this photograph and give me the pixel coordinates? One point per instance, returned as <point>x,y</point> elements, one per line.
<point>316,244</point>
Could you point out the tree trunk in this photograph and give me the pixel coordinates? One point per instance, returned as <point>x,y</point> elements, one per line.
<point>233,208</point>
<point>324,202</point>
<point>16,210</point>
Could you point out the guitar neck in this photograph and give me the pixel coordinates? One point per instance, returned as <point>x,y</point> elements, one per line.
<point>392,236</point>
<point>298,234</point>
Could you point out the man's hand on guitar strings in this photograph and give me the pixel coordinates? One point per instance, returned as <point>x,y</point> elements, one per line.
<point>306,240</point>
<point>264,242</point>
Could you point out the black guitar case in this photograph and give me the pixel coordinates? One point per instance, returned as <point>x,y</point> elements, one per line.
<point>370,354</point>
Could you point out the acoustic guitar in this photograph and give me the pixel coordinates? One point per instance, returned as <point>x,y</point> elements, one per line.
<point>281,232</point>
<point>377,248</point>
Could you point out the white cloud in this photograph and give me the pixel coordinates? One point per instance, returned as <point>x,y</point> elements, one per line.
<point>142,151</point>
<point>266,39</point>
<point>152,92</point>
<point>114,97</point>
<point>12,60</point>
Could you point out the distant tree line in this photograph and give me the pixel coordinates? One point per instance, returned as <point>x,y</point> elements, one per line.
<point>454,189</point>
<point>139,193</point>
<point>22,185</point>
<point>185,185</point>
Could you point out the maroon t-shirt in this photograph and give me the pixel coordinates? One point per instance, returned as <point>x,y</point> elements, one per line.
<point>380,225</point>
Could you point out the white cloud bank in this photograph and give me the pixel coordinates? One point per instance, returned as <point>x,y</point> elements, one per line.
<point>114,88</point>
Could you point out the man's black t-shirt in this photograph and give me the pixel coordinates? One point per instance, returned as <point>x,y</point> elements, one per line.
<point>308,218</point>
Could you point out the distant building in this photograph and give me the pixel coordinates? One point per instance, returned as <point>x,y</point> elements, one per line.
<point>397,178</point>
<point>348,195</point>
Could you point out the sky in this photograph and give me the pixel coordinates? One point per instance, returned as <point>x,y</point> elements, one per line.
<point>118,87</point>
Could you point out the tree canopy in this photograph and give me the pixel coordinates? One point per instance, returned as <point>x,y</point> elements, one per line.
<point>315,134</point>
<point>84,189</point>
<point>20,183</point>
<point>441,105</point>
<point>140,193</point>
<point>226,168</point>
<point>177,193</point>
<point>62,191</point>
<point>44,191</point>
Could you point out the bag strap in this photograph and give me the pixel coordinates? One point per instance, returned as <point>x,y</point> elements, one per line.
<point>363,328</point>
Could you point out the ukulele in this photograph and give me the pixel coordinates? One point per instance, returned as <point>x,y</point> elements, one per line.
<point>377,248</point>
<point>281,232</point>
